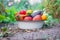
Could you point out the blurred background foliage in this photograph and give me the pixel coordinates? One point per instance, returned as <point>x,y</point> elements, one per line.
<point>9,7</point>
<point>53,7</point>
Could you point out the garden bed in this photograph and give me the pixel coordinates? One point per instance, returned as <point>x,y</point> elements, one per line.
<point>40,34</point>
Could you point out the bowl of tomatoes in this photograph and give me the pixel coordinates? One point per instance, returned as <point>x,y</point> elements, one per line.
<point>28,19</point>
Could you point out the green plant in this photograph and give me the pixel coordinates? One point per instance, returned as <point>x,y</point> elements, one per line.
<point>2,11</point>
<point>53,7</point>
<point>10,13</point>
<point>6,13</point>
<point>2,18</point>
<point>37,6</point>
<point>4,29</point>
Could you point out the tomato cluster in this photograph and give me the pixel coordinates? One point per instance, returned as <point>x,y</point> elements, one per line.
<point>29,15</point>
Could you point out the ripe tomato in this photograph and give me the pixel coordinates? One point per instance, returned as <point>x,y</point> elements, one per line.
<point>23,12</point>
<point>44,17</point>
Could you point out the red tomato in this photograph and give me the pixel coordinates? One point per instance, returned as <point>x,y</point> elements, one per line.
<point>28,18</point>
<point>37,18</point>
<point>23,12</point>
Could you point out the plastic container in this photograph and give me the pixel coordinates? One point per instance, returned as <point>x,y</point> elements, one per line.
<point>30,24</point>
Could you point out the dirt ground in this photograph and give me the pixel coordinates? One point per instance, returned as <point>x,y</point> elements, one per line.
<point>41,34</point>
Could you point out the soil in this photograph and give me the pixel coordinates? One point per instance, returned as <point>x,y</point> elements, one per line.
<point>41,34</point>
